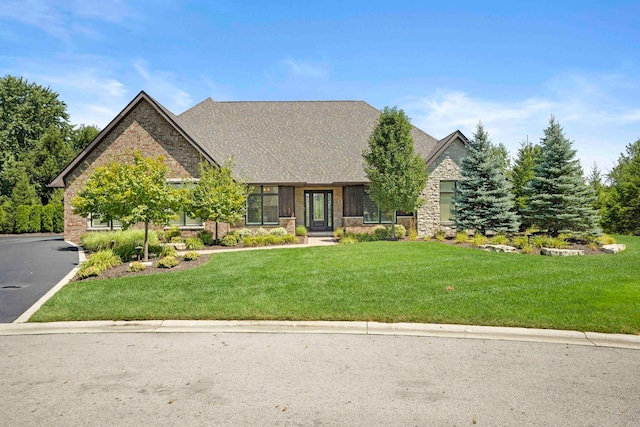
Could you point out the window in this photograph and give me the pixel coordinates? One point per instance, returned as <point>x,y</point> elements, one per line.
<point>96,222</point>
<point>447,190</point>
<point>262,206</point>
<point>373,214</point>
<point>182,219</point>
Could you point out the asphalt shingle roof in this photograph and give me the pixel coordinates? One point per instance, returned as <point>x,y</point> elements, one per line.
<point>313,142</point>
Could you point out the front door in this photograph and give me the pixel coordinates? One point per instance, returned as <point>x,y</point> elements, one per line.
<point>318,210</point>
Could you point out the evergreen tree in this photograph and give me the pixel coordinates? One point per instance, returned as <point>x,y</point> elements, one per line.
<point>623,206</point>
<point>520,175</point>
<point>483,200</point>
<point>24,193</point>
<point>397,175</point>
<point>560,199</point>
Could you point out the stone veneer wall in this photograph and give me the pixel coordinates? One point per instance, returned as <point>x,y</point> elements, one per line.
<point>144,129</point>
<point>445,168</point>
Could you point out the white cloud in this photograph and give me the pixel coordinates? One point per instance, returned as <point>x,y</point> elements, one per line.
<point>66,18</point>
<point>589,109</point>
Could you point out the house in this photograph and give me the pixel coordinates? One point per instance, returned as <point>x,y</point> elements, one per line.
<point>303,160</point>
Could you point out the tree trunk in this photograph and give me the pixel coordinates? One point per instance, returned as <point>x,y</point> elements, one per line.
<point>146,241</point>
<point>393,225</point>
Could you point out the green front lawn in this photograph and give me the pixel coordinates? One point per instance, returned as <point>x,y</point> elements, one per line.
<point>378,281</point>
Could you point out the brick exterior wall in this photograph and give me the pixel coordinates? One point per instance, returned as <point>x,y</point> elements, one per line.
<point>445,168</point>
<point>144,129</point>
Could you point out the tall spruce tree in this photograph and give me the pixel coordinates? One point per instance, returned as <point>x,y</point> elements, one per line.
<point>397,174</point>
<point>483,199</point>
<point>623,205</point>
<point>559,197</point>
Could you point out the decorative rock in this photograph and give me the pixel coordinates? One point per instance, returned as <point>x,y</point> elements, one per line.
<point>613,249</point>
<point>180,246</point>
<point>499,248</point>
<point>560,252</point>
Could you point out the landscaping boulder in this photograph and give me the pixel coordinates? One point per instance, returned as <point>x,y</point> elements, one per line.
<point>499,248</point>
<point>613,249</point>
<point>560,252</point>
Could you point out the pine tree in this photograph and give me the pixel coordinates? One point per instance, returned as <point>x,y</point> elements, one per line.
<point>483,199</point>
<point>521,173</point>
<point>396,172</point>
<point>623,205</point>
<point>560,199</point>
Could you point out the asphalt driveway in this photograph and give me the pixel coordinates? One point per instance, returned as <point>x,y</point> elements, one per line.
<point>29,267</point>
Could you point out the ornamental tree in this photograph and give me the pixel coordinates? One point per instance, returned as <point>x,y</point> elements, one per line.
<point>397,174</point>
<point>217,196</point>
<point>521,173</point>
<point>133,193</point>
<point>560,200</point>
<point>483,199</point>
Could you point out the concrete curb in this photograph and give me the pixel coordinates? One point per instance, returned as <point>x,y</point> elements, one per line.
<point>24,317</point>
<point>592,339</point>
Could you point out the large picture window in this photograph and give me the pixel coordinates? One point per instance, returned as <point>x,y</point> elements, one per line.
<point>98,223</point>
<point>373,214</point>
<point>447,191</point>
<point>262,206</point>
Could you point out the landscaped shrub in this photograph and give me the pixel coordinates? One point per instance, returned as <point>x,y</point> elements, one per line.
<point>413,234</point>
<point>527,249</point>
<point>206,236</point>
<point>380,232</point>
<point>400,230</point>
<point>541,241</point>
<point>35,219</point>
<point>176,239</point>
<point>191,256</point>
<point>558,243</point>
<point>167,262</point>
<point>479,240</point>
<point>47,218</point>
<point>278,231</point>
<point>194,244</point>
<point>461,237</point>
<point>440,235</point>
<point>171,233</point>
<point>499,239</point>
<point>254,241</point>
<point>338,233</point>
<point>244,232</point>
<point>103,260</point>
<point>136,266</point>
<point>361,237</point>
<point>22,219</point>
<point>605,239</point>
<point>301,230</point>
<point>261,232</point>
<point>167,250</point>
<point>520,241</point>
<point>88,271</point>
<point>347,240</point>
<point>58,218</point>
<point>124,241</point>
<point>229,240</point>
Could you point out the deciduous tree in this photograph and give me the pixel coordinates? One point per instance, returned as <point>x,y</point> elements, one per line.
<point>397,174</point>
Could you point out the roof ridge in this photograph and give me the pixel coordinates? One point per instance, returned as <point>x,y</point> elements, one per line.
<point>289,102</point>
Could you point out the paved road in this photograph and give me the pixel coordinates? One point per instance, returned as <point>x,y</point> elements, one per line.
<point>29,267</point>
<point>297,379</point>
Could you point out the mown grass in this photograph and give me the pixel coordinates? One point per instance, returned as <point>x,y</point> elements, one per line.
<point>378,281</point>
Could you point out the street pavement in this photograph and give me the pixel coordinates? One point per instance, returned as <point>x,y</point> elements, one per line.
<point>29,267</point>
<point>187,379</point>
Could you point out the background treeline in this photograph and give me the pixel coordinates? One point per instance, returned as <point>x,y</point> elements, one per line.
<point>36,143</point>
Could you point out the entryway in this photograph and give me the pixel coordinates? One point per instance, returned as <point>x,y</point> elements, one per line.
<point>318,210</point>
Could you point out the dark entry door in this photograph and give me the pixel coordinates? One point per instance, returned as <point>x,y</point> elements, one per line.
<point>318,210</point>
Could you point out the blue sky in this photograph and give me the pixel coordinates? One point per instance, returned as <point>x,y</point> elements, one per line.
<point>447,64</point>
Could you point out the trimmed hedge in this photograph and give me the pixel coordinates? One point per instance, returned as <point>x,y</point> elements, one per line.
<point>47,217</point>
<point>35,219</point>
<point>23,212</point>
